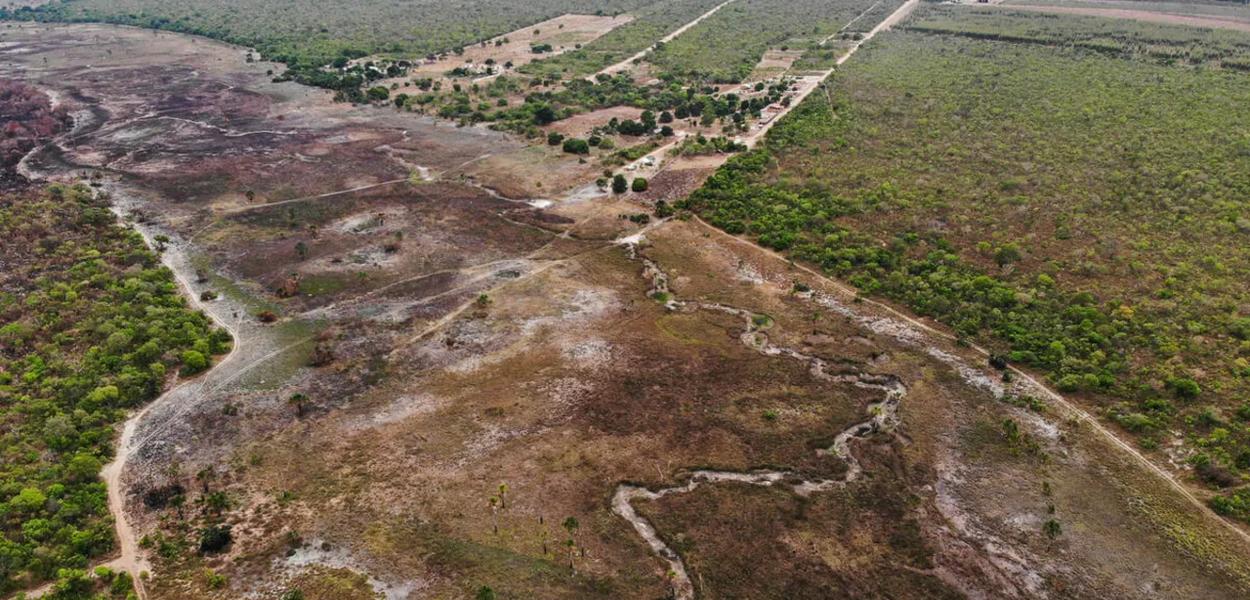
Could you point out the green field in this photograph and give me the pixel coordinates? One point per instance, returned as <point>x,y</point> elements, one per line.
<point>651,24</point>
<point>725,47</point>
<point>94,325</point>
<point>1082,213</point>
<point>315,32</point>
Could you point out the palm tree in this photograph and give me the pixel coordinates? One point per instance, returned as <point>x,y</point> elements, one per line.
<point>494,513</point>
<point>571,525</point>
<point>299,401</point>
<point>205,475</point>
<point>571,546</point>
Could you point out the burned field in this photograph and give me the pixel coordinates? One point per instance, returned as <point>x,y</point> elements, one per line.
<point>436,388</point>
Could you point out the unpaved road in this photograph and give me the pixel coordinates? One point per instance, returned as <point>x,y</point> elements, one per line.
<point>625,64</point>
<point>131,560</point>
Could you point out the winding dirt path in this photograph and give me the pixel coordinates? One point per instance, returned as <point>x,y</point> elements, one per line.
<point>131,560</point>
<point>245,209</point>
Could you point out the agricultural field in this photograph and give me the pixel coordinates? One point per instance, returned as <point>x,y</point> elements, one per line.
<point>726,47</point>
<point>315,32</point>
<point>650,24</point>
<point>1078,208</point>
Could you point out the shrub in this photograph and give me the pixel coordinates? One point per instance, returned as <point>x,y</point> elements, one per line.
<point>1184,387</point>
<point>193,362</point>
<point>576,146</point>
<point>639,185</point>
<point>214,538</point>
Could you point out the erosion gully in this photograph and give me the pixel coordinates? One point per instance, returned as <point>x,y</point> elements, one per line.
<point>882,416</point>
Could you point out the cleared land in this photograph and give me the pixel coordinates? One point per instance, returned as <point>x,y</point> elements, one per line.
<point>1127,38</point>
<point>1226,10</point>
<point>516,49</point>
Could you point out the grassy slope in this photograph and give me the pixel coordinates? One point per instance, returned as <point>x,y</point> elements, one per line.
<point>1105,197</point>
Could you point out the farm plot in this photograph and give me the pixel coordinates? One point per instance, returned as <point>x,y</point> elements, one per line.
<point>651,24</point>
<point>727,46</point>
<point>315,32</point>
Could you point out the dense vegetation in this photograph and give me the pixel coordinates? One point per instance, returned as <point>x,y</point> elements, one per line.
<point>308,34</point>
<point>93,326</point>
<point>725,47</point>
<point>1080,214</point>
<point>651,24</point>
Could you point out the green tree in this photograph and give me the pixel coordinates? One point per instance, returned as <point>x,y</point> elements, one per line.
<point>619,184</point>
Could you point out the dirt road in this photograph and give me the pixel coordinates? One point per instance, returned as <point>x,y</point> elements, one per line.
<point>625,64</point>
<point>808,84</point>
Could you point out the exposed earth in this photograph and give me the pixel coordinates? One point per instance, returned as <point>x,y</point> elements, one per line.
<point>486,349</point>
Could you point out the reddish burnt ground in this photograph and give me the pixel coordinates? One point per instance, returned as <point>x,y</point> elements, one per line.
<point>400,237</point>
<point>27,117</point>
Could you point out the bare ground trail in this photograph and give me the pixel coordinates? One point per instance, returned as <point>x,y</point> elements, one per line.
<point>130,559</point>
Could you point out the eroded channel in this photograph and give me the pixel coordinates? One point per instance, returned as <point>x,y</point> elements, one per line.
<point>882,418</point>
